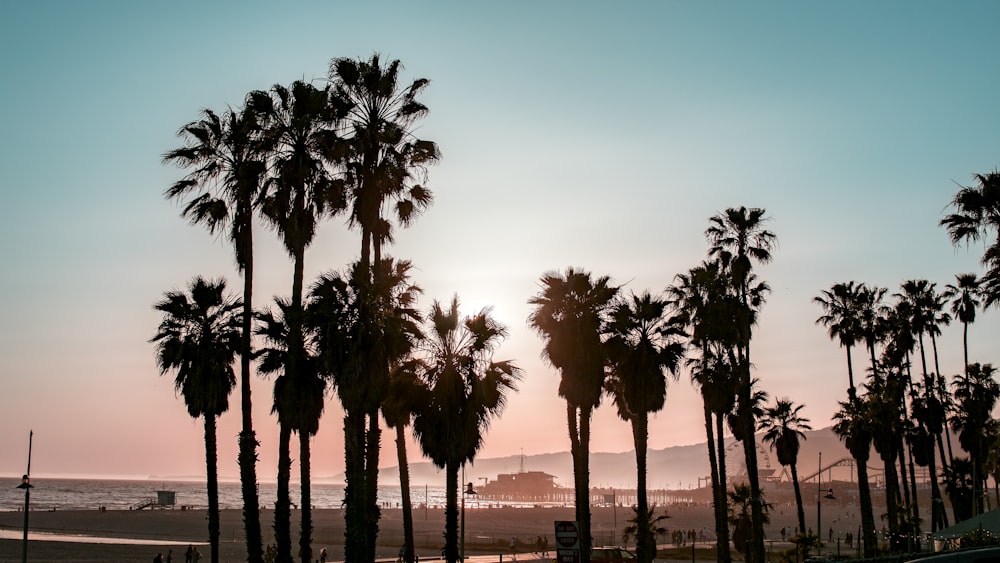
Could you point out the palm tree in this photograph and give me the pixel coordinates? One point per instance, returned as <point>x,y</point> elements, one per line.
<point>977,394</point>
<point>738,239</point>
<point>349,322</point>
<point>977,216</point>
<point>965,295</point>
<point>298,402</point>
<point>783,427</point>
<point>227,174</point>
<point>856,429</point>
<point>741,503</point>
<point>461,390</point>
<point>703,299</point>
<point>298,134</point>
<point>871,319</point>
<point>840,316</point>
<point>398,409</point>
<point>645,525</point>
<point>384,163</point>
<point>642,348</point>
<point>569,314</point>
<point>199,339</point>
<point>884,400</point>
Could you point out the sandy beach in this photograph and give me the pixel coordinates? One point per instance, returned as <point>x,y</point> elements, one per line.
<point>488,530</point>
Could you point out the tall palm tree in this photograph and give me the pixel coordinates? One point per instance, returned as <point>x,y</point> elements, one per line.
<point>226,175</point>
<point>703,299</point>
<point>965,297</point>
<point>462,389</point>
<point>643,347</point>
<point>738,239</point>
<point>298,401</point>
<point>977,216</point>
<point>840,316</point>
<point>783,427</point>
<point>349,322</point>
<point>199,339</point>
<point>855,427</point>
<point>298,132</point>
<point>569,313</point>
<point>385,163</point>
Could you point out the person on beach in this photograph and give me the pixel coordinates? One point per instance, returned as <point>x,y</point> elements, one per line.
<point>170,555</point>
<point>513,548</point>
<point>322,555</point>
<point>158,558</point>
<point>189,554</point>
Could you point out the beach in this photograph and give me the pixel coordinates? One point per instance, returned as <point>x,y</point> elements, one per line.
<point>488,530</point>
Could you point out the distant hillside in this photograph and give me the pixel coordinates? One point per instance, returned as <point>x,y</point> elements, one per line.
<point>677,467</point>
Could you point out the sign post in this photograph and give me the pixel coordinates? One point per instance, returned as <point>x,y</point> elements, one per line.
<point>567,541</point>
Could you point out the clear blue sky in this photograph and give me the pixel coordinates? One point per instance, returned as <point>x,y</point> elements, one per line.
<point>594,134</point>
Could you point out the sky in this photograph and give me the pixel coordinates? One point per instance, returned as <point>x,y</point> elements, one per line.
<point>590,134</point>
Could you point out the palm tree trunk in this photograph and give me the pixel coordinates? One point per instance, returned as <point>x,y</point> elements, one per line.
<point>867,513</point>
<point>722,508</point>
<point>798,498</point>
<point>640,435</point>
<point>579,431</point>
<point>756,552</point>
<point>211,461</point>
<point>451,554</point>
<point>282,506</point>
<point>355,536</point>
<point>305,531</point>
<point>373,513</point>
<point>247,439</point>
<point>851,391</point>
<point>713,462</point>
<point>891,498</point>
<point>404,487</point>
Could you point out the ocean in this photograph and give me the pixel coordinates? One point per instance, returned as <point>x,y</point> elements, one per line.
<point>121,494</point>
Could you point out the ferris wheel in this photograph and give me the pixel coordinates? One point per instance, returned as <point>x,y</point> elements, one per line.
<point>736,465</point>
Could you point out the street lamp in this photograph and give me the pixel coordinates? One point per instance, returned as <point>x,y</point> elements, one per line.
<point>467,491</point>
<point>27,486</point>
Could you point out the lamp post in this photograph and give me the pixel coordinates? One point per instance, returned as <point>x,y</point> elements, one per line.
<point>27,486</point>
<point>468,491</point>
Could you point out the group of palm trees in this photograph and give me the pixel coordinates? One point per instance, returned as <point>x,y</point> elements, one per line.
<point>289,158</point>
<point>907,421</point>
<point>605,343</point>
<point>293,156</point>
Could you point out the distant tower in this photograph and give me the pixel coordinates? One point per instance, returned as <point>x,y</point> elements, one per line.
<point>521,470</point>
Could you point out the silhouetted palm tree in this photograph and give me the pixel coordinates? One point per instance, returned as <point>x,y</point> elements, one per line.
<point>871,319</point>
<point>199,339</point>
<point>643,348</point>
<point>856,429</point>
<point>840,316</point>
<point>648,521</point>
<point>298,124</point>
<point>738,239</point>
<point>976,394</point>
<point>298,401</point>
<point>227,174</point>
<point>884,400</point>
<point>741,508</point>
<point>783,427</point>
<point>384,163</point>
<point>461,390</point>
<point>703,298</point>
<point>348,322</point>
<point>965,298</point>
<point>977,216</point>
<point>569,314</point>
<point>397,409</point>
